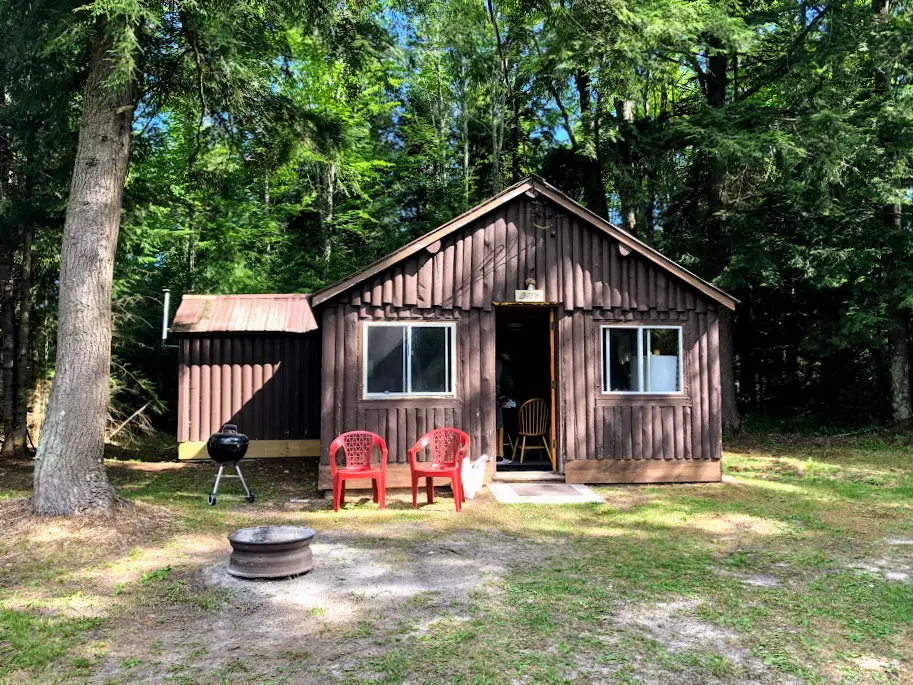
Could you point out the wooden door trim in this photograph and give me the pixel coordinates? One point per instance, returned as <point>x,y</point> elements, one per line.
<point>554,383</point>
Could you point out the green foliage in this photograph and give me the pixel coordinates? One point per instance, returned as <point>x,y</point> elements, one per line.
<point>282,146</point>
<point>157,575</point>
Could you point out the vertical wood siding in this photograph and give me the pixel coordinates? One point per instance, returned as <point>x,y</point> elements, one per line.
<point>591,283</point>
<point>267,384</point>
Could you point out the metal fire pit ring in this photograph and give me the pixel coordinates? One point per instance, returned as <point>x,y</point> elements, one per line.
<point>271,551</point>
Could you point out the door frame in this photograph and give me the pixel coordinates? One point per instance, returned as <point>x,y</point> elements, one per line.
<point>553,367</point>
<point>552,341</point>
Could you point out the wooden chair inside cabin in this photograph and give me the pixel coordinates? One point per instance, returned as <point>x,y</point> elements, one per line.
<point>448,447</point>
<point>358,446</point>
<point>533,422</point>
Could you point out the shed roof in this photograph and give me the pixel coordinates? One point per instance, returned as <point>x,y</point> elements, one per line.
<point>244,314</point>
<point>536,185</point>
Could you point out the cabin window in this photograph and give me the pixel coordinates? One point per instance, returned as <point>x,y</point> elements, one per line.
<point>641,359</point>
<point>408,359</point>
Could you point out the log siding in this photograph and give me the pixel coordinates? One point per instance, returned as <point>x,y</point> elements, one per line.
<point>267,384</point>
<point>589,279</point>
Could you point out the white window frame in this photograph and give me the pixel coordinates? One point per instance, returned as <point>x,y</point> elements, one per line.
<point>407,361</point>
<point>644,368</point>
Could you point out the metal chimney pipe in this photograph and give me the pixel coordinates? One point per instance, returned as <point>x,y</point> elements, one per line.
<point>165,309</point>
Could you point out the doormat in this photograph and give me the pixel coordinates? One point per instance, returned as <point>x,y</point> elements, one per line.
<point>543,493</point>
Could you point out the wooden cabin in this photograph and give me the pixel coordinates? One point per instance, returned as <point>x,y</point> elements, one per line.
<point>620,342</point>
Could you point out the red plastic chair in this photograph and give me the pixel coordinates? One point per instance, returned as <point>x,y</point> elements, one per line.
<point>448,447</point>
<point>358,447</point>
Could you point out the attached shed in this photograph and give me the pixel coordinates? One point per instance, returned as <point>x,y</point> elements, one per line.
<point>621,343</point>
<point>252,360</point>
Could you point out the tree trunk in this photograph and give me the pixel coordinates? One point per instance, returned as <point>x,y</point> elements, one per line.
<point>898,322</point>
<point>624,109</point>
<point>650,218</point>
<point>590,147</point>
<point>602,206</point>
<point>4,153</point>
<point>465,117</point>
<point>69,468</point>
<point>442,121</point>
<point>717,196</point>
<point>7,348</point>
<point>732,419</point>
<point>464,130</point>
<point>497,125</point>
<point>326,218</point>
<point>191,248</point>
<point>899,368</point>
<point>505,73</point>
<point>23,365</point>
<point>717,83</point>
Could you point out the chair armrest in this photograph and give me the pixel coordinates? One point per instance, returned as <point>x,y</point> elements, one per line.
<point>334,447</point>
<point>421,444</point>
<point>380,442</point>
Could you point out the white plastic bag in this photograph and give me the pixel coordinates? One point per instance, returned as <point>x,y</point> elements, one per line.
<point>473,475</point>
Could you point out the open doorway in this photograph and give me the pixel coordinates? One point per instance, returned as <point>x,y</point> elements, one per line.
<point>523,348</point>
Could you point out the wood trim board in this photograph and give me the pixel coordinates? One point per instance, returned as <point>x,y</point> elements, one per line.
<point>577,471</point>
<point>582,471</point>
<point>642,400</point>
<point>258,449</point>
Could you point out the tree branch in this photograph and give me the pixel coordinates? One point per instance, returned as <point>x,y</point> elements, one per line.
<point>557,97</point>
<point>781,67</point>
<point>701,76</point>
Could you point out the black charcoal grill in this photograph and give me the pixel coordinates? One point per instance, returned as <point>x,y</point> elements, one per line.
<point>228,446</point>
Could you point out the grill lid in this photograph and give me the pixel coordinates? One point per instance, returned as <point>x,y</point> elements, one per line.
<point>228,444</point>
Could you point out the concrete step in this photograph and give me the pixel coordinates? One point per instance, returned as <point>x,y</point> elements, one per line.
<point>528,477</point>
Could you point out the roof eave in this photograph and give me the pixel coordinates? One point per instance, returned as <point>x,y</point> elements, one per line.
<point>634,243</point>
<point>537,184</point>
<point>421,242</point>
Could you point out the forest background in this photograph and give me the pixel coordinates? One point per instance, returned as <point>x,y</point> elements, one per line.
<point>279,146</point>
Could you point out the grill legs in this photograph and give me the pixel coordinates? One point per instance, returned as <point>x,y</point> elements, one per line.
<point>215,489</point>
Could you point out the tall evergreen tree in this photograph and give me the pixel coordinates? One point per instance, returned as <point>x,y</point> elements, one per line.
<point>219,52</point>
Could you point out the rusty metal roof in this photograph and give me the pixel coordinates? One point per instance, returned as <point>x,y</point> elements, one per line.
<point>244,314</point>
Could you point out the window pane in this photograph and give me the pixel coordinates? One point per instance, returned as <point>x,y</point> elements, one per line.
<point>385,349</point>
<point>431,359</point>
<point>663,364</point>
<point>623,361</point>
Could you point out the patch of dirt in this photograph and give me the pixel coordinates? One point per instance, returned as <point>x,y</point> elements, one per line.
<point>324,625</point>
<point>889,568</point>
<point>870,663</point>
<point>894,565</point>
<point>348,573</point>
<point>675,626</point>
<point>763,580</point>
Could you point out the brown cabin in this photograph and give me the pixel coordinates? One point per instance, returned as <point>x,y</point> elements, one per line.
<point>527,295</point>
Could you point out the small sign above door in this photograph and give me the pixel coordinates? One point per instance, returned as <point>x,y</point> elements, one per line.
<point>529,296</point>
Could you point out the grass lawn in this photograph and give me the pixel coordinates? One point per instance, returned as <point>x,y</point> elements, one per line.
<point>798,568</point>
